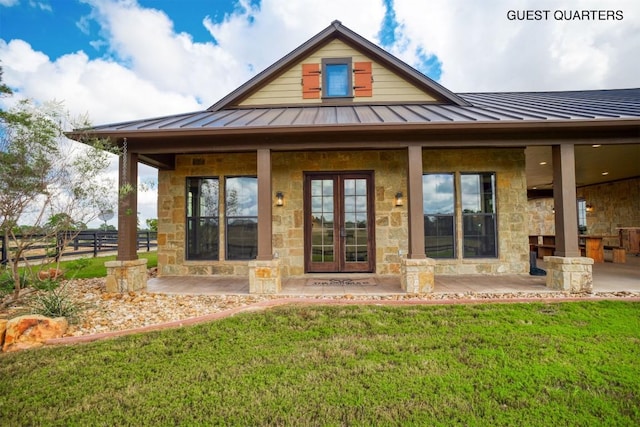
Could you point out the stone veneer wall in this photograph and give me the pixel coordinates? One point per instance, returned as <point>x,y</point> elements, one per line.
<point>391,221</point>
<point>615,204</point>
<point>511,200</point>
<point>172,212</point>
<point>288,225</point>
<point>541,218</point>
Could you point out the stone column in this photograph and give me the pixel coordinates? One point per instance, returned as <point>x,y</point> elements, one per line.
<point>126,276</point>
<point>264,277</point>
<point>573,274</point>
<point>417,276</point>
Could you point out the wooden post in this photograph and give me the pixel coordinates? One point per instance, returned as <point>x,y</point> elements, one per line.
<point>264,205</point>
<point>416,216</point>
<point>128,207</point>
<point>565,200</point>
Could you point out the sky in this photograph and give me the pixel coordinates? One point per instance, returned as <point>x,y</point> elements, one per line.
<point>118,60</point>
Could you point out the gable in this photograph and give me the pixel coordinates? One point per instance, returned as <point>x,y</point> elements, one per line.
<point>386,85</point>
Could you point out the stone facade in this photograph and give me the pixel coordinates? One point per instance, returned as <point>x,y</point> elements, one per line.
<point>126,276</point>
<point>511,200</point>
<point>569,274</point>
<point>613,206</point>
<point>391,222</point>
<point>417,275</point>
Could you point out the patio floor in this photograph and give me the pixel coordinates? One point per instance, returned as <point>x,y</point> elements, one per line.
<point>607,277</point>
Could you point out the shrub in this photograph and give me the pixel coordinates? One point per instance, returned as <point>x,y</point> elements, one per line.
<point>55,303</point>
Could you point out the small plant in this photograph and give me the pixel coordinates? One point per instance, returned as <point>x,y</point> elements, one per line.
<point>47,284</point>
<point>7,285</point>
<point>55,303</point>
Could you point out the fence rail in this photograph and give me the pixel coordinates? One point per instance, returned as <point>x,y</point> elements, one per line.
<point>71,244</point>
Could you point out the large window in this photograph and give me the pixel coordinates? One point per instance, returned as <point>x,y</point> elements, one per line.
<point>443,194</point>
<point>241,202</point>
<point>439,215</point>
<point>337,79</point>
<point>203,229</point>
<point>478,214</point>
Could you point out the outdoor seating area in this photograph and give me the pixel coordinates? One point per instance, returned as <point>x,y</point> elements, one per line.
<point>600,248</point>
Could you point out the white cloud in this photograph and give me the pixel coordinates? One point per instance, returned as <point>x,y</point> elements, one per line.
<point>8,3</point>
<point>481,50</point>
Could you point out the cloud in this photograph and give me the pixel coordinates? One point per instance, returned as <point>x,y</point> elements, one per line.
<point>481,50</point>
<point>9,3</point>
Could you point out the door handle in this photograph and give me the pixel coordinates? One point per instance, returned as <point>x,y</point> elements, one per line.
<point>343,232</point>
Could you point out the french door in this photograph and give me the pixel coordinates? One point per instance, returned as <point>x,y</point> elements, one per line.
<point>339,226</point>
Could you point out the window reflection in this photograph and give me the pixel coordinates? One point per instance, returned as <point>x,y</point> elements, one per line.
<point>241,207</point>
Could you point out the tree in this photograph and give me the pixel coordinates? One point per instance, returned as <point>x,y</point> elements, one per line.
<point>152,224</point>
<point>49,182</point>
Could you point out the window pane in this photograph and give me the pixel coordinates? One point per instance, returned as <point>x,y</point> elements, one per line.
<point>241,196</point>
<point>438,208</point>
<point>439,236</point>
<point>478,193</point>
<point>478,215</point>
<point>438,195</point>
<point>337,80</point>
<point>242,238</point>
<point>202,238</point>
<point>241,201</point>
<point>202,219</point>
<point>202,195</point>
<point>479,236</point>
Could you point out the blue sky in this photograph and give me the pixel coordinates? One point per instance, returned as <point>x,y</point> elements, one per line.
<point>118,60</point>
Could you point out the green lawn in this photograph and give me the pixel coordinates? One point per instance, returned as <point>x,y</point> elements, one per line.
<point>574,363</point>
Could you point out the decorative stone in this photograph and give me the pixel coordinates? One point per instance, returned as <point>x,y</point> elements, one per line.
<point>265,277</point>
<point>31,331</point>
<point>572,274</point>
<point>417,276</point>
<point>126,276</point>
<point>3,328</point>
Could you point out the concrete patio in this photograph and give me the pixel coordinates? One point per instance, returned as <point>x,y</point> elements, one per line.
<point>607,277</point>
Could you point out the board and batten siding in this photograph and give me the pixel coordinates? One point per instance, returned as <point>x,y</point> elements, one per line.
<point>287,88</point>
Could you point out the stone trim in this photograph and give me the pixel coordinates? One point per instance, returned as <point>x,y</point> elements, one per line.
<point>265,277</point>
<point>126,276</point>
<point>573,274</point>
<point>417,275</point>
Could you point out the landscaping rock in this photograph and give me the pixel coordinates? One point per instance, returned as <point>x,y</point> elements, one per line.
<point>32,330</point>
<point>3,328</point>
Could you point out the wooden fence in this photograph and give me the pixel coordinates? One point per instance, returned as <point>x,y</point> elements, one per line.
<point>88,242</point>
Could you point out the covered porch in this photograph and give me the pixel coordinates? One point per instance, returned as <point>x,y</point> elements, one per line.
<point>607,278</point>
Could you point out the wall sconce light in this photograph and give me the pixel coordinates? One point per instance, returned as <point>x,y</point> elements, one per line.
<point>279,198</point>
<point>589,208</point>
<point>399,200</point>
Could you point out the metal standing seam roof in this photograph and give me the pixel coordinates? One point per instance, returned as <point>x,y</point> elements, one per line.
<point>485,107</point>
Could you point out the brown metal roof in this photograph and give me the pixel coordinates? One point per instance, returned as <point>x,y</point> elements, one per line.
<point>512,107</point>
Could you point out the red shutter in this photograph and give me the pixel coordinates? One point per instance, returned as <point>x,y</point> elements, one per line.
<point>310,81</point>
<point>362,79</point>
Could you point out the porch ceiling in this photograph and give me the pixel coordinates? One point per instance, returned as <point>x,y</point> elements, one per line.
<point>594,164</point>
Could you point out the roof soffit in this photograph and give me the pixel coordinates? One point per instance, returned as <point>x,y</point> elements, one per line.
<point>338,31</point>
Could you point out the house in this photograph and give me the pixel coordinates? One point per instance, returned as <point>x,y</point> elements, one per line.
<point>340,158</point>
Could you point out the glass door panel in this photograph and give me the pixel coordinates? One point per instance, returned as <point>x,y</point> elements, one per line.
<point>338,232</point>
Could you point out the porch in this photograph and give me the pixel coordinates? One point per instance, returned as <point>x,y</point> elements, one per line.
<point>607,277</point>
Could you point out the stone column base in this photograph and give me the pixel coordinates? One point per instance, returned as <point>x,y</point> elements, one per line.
<point>126,276</point>
<point>264,277</point>
<point>573,274</point>
<point>417,276</point>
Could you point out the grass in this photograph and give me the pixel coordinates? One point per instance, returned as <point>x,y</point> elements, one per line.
<point>503,364</point>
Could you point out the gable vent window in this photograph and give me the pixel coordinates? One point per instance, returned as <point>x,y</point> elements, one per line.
<point>336,78</point>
